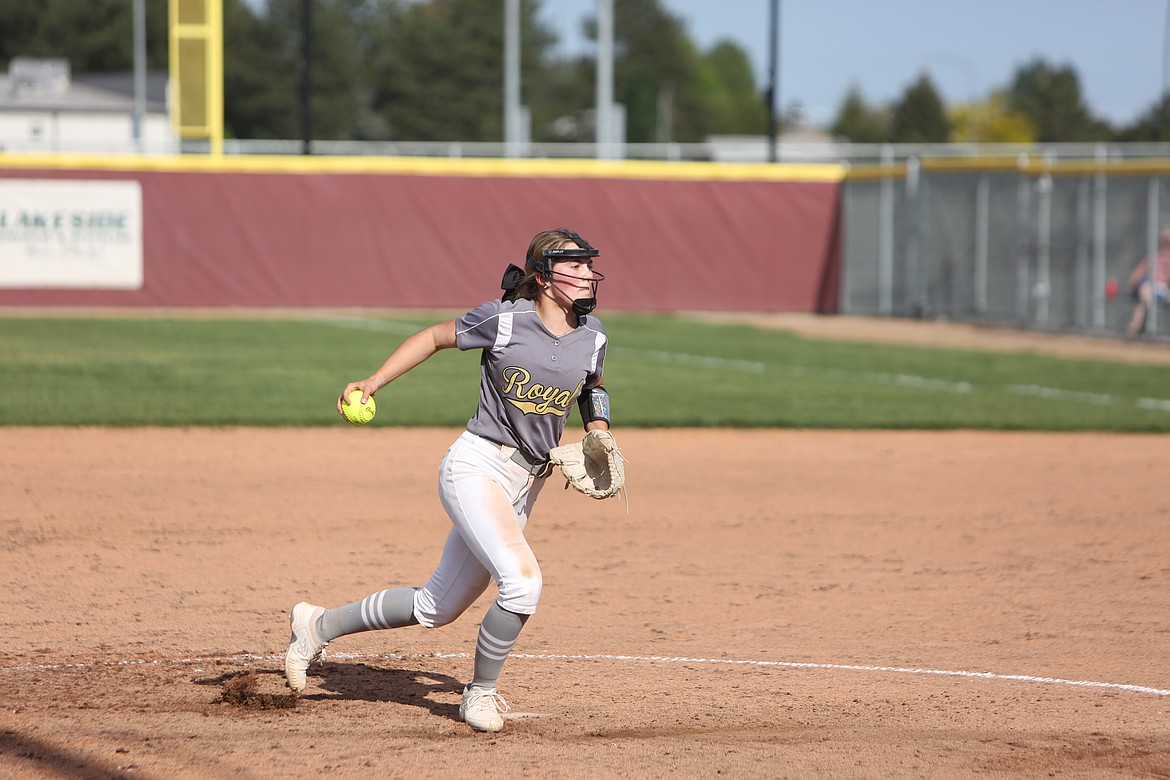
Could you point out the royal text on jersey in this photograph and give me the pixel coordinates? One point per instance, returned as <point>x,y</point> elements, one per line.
<point>534,398</point>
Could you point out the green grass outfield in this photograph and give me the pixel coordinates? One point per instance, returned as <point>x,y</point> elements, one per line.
<point>662,371</point>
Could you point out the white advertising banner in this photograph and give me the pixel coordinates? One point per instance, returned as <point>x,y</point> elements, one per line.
<point>70,234</point>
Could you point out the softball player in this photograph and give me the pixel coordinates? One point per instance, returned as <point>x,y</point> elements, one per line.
<point>541,352</point>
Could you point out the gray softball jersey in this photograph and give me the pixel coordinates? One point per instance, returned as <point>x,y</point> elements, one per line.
<point>529,378</point>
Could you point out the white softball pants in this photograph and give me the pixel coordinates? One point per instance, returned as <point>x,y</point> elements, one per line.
<point>488,497</point>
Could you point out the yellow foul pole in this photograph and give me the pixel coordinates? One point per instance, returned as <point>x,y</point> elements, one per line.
<point>196,70</point>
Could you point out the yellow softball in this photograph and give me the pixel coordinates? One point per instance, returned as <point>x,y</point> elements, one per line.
<point>357,412</point>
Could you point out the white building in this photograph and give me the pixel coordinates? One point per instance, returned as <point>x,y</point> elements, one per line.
<point>44,109</point>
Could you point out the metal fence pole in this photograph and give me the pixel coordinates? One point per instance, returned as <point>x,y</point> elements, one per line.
<point>913,238</point>
<point>1022,211</point>
<point>1081,285</point>
<point>982,217</point>
<point>886,236</point>
<point>1151,325</point>
<point>1100,203</point>
<point>1043,248</point>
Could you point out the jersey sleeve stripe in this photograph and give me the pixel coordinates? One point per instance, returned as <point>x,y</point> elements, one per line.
<point>599,340</point>
<point>503,331</point>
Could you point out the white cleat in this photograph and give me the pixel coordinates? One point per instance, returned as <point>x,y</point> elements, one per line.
<point>483,709</point>
<point>304,646</point>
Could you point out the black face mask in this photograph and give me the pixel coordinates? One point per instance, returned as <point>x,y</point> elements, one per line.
<point>582,306</point>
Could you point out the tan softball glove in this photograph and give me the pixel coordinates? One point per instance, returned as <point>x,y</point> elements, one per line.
<point>594,466</point>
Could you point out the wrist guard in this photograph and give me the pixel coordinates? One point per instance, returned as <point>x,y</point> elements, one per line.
<point>594,405</point>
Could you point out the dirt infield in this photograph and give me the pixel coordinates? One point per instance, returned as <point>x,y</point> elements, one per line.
<point>845,604</point>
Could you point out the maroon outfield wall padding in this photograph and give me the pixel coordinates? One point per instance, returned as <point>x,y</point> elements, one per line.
<point>391,240</point>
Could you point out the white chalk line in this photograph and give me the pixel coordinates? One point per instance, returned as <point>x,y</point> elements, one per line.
<point>901,380</point>
<point>365,323</point>
<point>620,659</point>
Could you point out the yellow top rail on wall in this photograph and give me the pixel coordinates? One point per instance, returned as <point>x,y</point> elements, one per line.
<point>1032,166</point>
<point>432,166</point>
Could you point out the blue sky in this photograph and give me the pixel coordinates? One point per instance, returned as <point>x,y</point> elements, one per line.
<point>968,48</point>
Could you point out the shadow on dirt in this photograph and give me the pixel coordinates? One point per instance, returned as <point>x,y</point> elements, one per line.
<point>362,682</point>
<point>52,761</point>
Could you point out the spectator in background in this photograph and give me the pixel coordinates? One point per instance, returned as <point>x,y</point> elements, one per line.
<point>1148,288</point>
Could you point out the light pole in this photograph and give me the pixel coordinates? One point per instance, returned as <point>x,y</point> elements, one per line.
<point>139,71</point>
<point>306,76</point>
<point>1165,114</point>
<point>603,112</point>
<point>512,78</point>
<point>773,93</point>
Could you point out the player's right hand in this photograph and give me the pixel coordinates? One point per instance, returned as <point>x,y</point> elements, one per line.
<point>365,386</point>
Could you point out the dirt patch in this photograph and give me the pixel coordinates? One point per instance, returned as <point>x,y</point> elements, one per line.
<point>242,689</point>
<point>832,603</point>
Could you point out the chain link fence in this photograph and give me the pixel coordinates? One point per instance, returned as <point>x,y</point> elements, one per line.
<point>1035,244</point>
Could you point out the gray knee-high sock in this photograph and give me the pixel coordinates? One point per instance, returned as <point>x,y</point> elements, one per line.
<point>497,633</point>
<point>384,609</point>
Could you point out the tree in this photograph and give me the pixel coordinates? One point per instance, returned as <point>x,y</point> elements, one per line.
<point>990,122</point>
<point>859,123</point>
<point>653,55</point>
<point>439,69</point>
<point>919,117</point>
<point>733,103</point>
<point>20,30</point>
<point>97,35</point>
<point>339,45</point>
<point>670,90</point>
<point>259,75</point>
<point>563,100</point>
<point>1153,126</point>
<point>1051,99</point>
